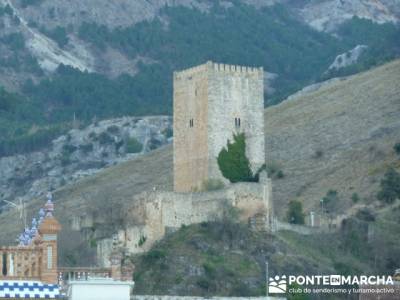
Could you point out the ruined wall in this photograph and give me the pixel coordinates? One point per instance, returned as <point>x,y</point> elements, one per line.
<point>211,102</point>
<point>156,213</point>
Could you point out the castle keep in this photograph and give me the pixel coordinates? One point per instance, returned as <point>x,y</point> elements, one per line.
<point>211,103</point>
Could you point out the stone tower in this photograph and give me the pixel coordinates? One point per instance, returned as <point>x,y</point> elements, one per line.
<point>211,103</point>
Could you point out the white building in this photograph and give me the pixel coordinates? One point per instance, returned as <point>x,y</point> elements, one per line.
<point>99,289</point>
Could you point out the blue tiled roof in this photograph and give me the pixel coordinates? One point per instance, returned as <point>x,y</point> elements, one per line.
<point>28,290</point>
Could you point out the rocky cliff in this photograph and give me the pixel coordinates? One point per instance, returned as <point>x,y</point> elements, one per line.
<point>81,153</point>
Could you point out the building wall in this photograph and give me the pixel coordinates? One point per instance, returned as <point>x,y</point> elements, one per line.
<point>101,290</point>
<point>190,139</point>
<point>21,262</point>
<point>235,93</point>
<point>214,96</point>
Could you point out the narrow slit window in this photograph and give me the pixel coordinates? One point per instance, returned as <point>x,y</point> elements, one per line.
<point>4,266</point>
<point>237,122</point>
<point>49,257</point>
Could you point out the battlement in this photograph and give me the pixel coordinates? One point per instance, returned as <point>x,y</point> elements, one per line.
<point>232,69</point>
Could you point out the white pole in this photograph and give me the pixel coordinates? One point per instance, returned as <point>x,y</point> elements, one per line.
<point>267,276</point>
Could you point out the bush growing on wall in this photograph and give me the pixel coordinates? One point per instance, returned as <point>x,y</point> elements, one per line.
<point>232,160</point>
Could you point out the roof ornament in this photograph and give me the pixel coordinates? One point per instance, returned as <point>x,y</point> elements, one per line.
<point>42,214</point>
<point>34,223</point>
<point>49,206</point>
<point>21,239</point>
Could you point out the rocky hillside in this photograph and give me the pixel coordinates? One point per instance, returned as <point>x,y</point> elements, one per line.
<point>80,153</point>
<point>336,136</point>
<point>227,259</point>
<point>328,14</point>
<point>39,35</point>
<point>65,61</point>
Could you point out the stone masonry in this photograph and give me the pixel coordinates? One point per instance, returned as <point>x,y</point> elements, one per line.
<point>153,214</point>
<point>211,103</point>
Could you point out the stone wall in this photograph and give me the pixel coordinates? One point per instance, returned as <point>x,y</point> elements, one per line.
<point>211,102</point>
<point>190,128</point>
<point>153,214</point>
<point>236,94</point>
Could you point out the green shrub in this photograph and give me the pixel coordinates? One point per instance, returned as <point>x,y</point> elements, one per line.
<point>133,146</point>
<point>105,138</point>
<point>295,213</point>
<point>86,148</point>
<point>168,132</point>
<point>154,256</point>
<point>390,186</point>
<point>69,148</point>
<point>397,148</point>
<point>330,200</point>
<point>355,198</point>
<point>280,174</point>
<point>142,240</point>
<point>93,136</point>
<point>58,34</point>
<point>65,158</point>
<point>29,142</point>
<point>210,270</point>
<point>232,160</point>
<point>93,243</point>
<point>113,129</point>
<point>212,185</point>
<point>274,170</point>
<point>15,41</point>
<point>206,284</point>
<point>318,154</point>
<point>26,3</point>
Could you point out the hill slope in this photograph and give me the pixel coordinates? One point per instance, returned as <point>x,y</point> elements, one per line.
<point>353,122</point>
<point>228,259</point>
<point>338,137</point>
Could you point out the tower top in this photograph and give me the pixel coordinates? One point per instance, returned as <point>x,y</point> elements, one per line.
<point>217,67</point>
<point>49,226</point>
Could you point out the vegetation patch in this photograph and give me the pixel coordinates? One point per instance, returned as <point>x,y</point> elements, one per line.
<point>232,160</point>
<point>133,145</point>
<point>295,213</point>
<point>390,186</point>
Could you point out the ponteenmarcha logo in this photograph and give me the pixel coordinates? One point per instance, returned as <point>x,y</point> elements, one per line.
<point>277,285</point>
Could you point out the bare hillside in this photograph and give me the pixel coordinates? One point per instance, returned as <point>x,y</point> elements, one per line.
<point>339,137</point>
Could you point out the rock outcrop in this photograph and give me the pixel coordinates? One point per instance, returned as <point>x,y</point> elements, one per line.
<point>80,153</point>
